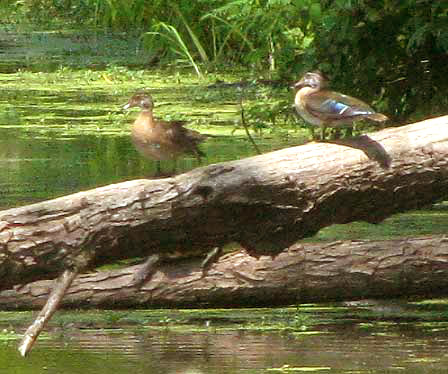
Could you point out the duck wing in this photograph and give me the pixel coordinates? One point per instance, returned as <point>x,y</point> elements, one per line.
<point>335,106</point>
<point>185,139</point>
<point>174,123</point>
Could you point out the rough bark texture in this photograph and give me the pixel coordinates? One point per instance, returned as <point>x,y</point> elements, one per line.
<point>266,203</point>
<point>304,273</point>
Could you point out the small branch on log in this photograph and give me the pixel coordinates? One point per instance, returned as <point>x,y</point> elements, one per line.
<point>145,271</point>
<point>60,287</point>
<point>305,273</point>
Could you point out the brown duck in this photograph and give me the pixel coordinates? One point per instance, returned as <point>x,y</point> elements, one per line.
<point>161,140</point>
<point>324,108</point>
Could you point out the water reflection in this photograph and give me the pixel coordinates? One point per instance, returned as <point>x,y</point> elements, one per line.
<point>347,348</point>
<point>36,168</point>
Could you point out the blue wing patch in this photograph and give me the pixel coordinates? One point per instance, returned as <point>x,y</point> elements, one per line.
<point>336,107</point>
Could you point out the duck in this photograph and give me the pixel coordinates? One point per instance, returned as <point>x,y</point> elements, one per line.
<point>161,140</point>
<point>323,108</point>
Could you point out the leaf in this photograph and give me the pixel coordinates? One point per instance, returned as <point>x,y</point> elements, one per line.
<point>418,38</point>
<point>177,45</point>
<point>315,12</point>
<point>193,36</point>
<point>307,40</point>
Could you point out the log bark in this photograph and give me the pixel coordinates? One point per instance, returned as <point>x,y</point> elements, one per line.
<point>266,203</point>
<point>349,270</point>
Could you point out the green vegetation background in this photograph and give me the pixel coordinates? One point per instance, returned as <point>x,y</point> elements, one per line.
<point>393,53</point>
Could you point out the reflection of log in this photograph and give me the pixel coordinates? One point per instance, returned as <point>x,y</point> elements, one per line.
<point>266,203</point>
<point>304,273</point>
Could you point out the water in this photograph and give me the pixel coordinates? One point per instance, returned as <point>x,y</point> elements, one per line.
<point>64,131</point>
<point>36,168</point>
<point>342,344</point>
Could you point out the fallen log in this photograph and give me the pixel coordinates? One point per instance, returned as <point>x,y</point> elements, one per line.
<point>305,273</point>
<point>266,203</point>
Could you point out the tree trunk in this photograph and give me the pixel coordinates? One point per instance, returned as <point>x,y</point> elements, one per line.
<point>266,203</point>
<point>304,273</point>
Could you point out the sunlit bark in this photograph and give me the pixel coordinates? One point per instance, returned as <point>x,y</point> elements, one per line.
<point>266,203</point>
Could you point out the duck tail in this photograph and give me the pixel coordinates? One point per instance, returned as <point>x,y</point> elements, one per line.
<point>377,117</point>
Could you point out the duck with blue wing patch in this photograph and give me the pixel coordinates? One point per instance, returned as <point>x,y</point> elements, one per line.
<point>324,108</point>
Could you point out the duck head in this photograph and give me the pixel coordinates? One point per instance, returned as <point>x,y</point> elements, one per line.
<point>141,100</point>
<point>314,79</point>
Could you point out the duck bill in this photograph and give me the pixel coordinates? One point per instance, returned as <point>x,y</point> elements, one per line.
<point>126,106</point>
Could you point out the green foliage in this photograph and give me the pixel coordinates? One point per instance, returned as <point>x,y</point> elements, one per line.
<point>176,43</point>
<point>268,110</point>
<point>388,52</point>
<point>264,34</point>
<point>391,53</point>
<point>47,13</point>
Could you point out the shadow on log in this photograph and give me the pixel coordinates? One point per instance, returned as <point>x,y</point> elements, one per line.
<point>349,270</point>
<point>266,203</point>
